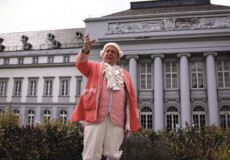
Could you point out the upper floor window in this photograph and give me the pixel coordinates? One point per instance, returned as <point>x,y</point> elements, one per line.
<point>20,60</point>
<point>3,87</point>
<point>6,61</point>
<point>225,117</point>
<point>32,87</point>
<point>48,89</point>
<point>50,59</point>
<point>223,73</point>
<point>198,117</point>
<point>147,118</point>
<point>65,59</point>
<point>197,74</point>
<point>171,75</point>
<point>64,87</point>
<point>146,76</point>
<point>17,87</point>
<point>35,60</point>
<point>124,65</point>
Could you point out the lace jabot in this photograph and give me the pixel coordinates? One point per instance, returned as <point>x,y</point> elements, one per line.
<point>113,75</point>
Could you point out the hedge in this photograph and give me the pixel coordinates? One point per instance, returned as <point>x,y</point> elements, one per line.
<point>57,141</point>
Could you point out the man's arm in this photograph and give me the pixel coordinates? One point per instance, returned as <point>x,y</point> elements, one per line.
<point>82,57</point>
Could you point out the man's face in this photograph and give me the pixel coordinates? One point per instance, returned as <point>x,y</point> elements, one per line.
<point>111,55</point>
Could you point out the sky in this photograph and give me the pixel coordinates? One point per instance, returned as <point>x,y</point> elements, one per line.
<point>36,15</point>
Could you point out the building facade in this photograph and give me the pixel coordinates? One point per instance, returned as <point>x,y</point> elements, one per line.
<point>38,74</point>
<point>177,53</point>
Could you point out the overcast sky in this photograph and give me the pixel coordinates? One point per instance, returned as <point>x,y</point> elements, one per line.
<point>35,15</point>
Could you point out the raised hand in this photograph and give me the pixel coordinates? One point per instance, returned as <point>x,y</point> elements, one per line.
<point>87,44</point>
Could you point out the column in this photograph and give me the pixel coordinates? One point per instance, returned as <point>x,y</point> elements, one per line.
<point>212,88</point>
<point>184,90</point>
<point>133,70</point>
<point>158,93</point>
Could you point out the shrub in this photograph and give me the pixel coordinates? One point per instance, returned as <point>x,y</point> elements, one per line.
<point>46,142</point>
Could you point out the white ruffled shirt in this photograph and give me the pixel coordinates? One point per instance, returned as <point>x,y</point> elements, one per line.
<point>113,75</point>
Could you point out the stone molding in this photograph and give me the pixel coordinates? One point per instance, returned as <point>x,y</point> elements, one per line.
<point>169,24</point>
<point>183,54</point>
<point>132,56</point>
<point>159,55</point>
<point>209,53</point>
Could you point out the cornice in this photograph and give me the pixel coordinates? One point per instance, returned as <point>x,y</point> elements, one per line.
<point>209,13</point>
<point>39,65</point>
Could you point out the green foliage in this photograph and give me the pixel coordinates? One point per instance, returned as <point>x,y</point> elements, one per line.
<point>222,152</point>
<point>9,118</point>
<point>55,140</point>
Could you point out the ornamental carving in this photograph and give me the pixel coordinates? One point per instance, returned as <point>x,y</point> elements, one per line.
<point>171,24</point>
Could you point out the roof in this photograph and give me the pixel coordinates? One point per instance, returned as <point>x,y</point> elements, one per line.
<point>39,39</point>
<point>168,9</point>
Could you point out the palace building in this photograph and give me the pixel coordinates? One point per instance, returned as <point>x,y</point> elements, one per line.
<point>177,53</point>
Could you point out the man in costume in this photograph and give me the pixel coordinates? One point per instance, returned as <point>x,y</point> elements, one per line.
<point>108,103</point>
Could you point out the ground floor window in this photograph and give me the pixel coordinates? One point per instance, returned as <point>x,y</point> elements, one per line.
<point>225,117</point>
<point>63,116</point>
<point>172,118</point>
<point>47,115</point>
<point>31,116</point>
<point>147,118</point>
<point>198,117</point>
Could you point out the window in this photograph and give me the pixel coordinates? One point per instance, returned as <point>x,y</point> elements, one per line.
<point>48,87</point>
<point>124,65</point>
<point>50,59</point>
<point>64,87</point>
<point>146,76</point>
<point>147,118</point>
<point>171,76</point>
<point>3,87</point>
<point>78,90</point>
<point>198,117</point>
<point>172,118</point>
<point>16,112</point>
<point>63,116</point>
<point>17,87</point>
<point>223,73</point>
<point>1,112</point>
<point>20,60</point>
<point>197,74</point>
<point>47,115</point>
<point>31,116</point>
<point>225,117</point>
<point>35,60</point>
<point>32,87</point>
<point>65,59</point>
<point>6,61</point>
